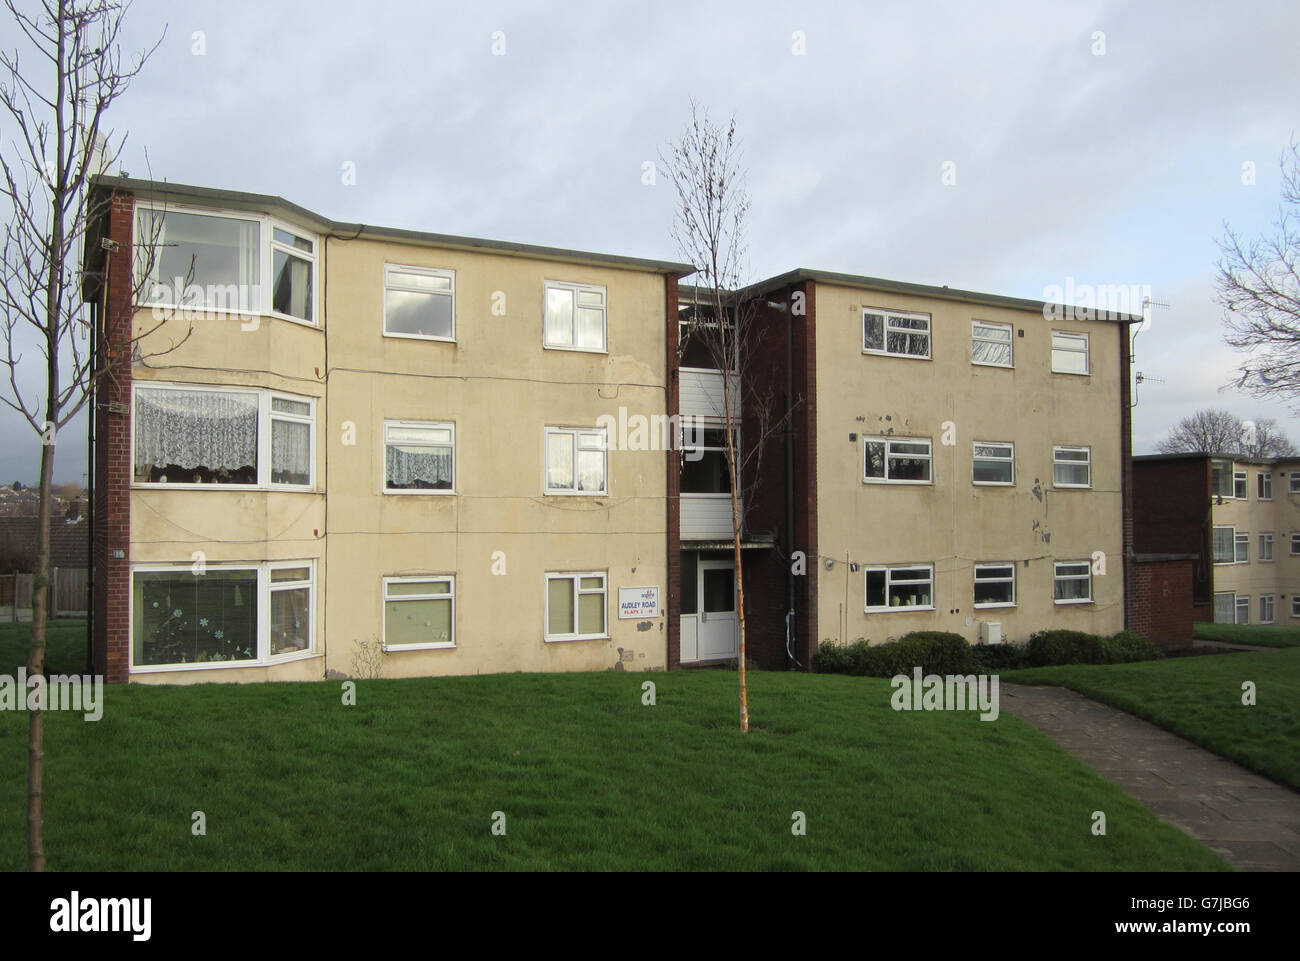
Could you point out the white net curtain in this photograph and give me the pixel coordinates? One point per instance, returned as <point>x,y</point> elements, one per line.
<point>209,436</point>
<point>419,467</point>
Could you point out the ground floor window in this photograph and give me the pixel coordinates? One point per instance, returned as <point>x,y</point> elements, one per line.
<point>995,585</point>
<point>419,613</point>
<point>1266,609</point>
<point>1073,582</point>
<point>1225,608</point>
<point>575,606</point>
<point>1243,609</point>
<point>909,586</point>
<point>227,615</point>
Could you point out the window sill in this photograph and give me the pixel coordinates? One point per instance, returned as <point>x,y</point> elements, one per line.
<point>224,665</point>
<point>885,353</point>
<point>425,491</point>
<point>1072,487</point>
<point>576,350</point>
<point>400,648</point>
<point>562,493</point>
<point>563,639</point>
<point>1073,373</point>
<point>898,483</point>
<point>243,488</point>
<point>994,607</point>
<point>993,483</point>
<point>900,609</point>
<point>1068,603</point>
<point>428,337</point>
<point>984,363</point>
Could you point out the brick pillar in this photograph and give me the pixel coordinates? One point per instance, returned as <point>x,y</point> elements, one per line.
<point>113,454</point>
<point>673,501</point>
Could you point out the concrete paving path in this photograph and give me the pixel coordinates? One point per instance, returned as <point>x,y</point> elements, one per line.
<point>1252,821</point>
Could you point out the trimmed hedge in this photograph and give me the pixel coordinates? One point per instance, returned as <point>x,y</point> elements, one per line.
<point>935,652</point>
<point>941,652</point>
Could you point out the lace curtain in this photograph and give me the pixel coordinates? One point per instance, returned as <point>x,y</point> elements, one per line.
<point>195,429</point>
<point>290,452</point>
<point>418,467</point>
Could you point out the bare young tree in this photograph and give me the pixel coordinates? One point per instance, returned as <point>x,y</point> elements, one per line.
<point>705,168</point>
<point>1222,432</point>
<point>1258,285</point>
<point>56,107</point>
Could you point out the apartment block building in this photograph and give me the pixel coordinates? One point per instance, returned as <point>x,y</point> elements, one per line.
<point>328,442</point>
<point>1239,519</point>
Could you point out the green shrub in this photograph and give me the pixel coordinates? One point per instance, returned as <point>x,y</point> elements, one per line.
<point>935,652</point>
<point>1050,648</point>
<point>1127,646</point>
<point>993,658</point>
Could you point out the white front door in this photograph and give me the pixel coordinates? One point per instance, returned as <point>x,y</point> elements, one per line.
<point>718,635</point>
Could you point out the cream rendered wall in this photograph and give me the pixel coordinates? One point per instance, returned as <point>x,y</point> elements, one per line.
<point>1279,516</point>
<point>952,523</point>
<point>501,389</point>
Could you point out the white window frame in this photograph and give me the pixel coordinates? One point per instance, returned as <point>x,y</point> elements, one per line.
<point>1075,338</point>
<point>995,565</point>
<point>1242,604</point>
<point>1240,482</point>
<point>1295,544</point>
<point>264,418</point>
<point>577,289</point>
<point>264,657</point>
<point>1240,547</point>
<point>1214,611</point>
<point>578,590</point>
<point>385,599</point>
<point>1224,469</point>
<point>1294,482</point>
<point>1267,609</point>
<point>1009,459</point>
<point>1059,448</point>
<point>886,315</point>
<point>1057,576</point>
<point>889,570</point>
<point>267,225</point>
<point>440,272</point>
<point>1295,605</point>
<point>976,339</point>
<point>889,442</point>
<point>1265,548</point>
<point>576,433</point>
<point>417,424</point>
<point>1214,555</point>
<point>1264,486</point>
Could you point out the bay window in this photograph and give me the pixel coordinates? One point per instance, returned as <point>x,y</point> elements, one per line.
<point>221,615</point>
<point>238,437</point>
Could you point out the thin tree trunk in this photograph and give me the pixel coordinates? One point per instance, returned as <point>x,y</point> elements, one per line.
<point>35,668</point>
<point>735,540</point>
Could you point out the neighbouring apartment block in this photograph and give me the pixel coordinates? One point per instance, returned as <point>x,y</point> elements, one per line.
<point>336,443</point>
<point>1240,519</point>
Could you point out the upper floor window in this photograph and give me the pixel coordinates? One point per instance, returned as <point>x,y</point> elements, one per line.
<point>1071,466</point>
<point>895,333</point>
<point>705,469</point>
<point>1072,582</point>
<point>1265,486</point>
<point>213,435</point>
<point>419,302</point>
<point>248,265</point>
<point>994,463</point>
<point>701,343</point>
<point>1069,353</point>
<point>575,461</point>
<point>990,344</point>
<point>575,316</point>
<point>1221,478</point>
<point>1224,545</point>
<point>1239,485</point>
<point>903,460</point>
<point>419,457</point>
<point>1295,482</point>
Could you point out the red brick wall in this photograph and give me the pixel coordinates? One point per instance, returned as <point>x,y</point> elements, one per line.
<point>1172,515</point>
<point>1162,610</point>
<point>113,457</point>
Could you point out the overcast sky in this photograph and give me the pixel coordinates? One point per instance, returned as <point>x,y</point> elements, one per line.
<point>1092,143</point>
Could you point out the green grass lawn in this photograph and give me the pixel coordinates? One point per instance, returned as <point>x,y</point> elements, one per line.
<point>1261,635</point>
<point>1199,698</point>
<point>587,776</point>
<point>65,646</point>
